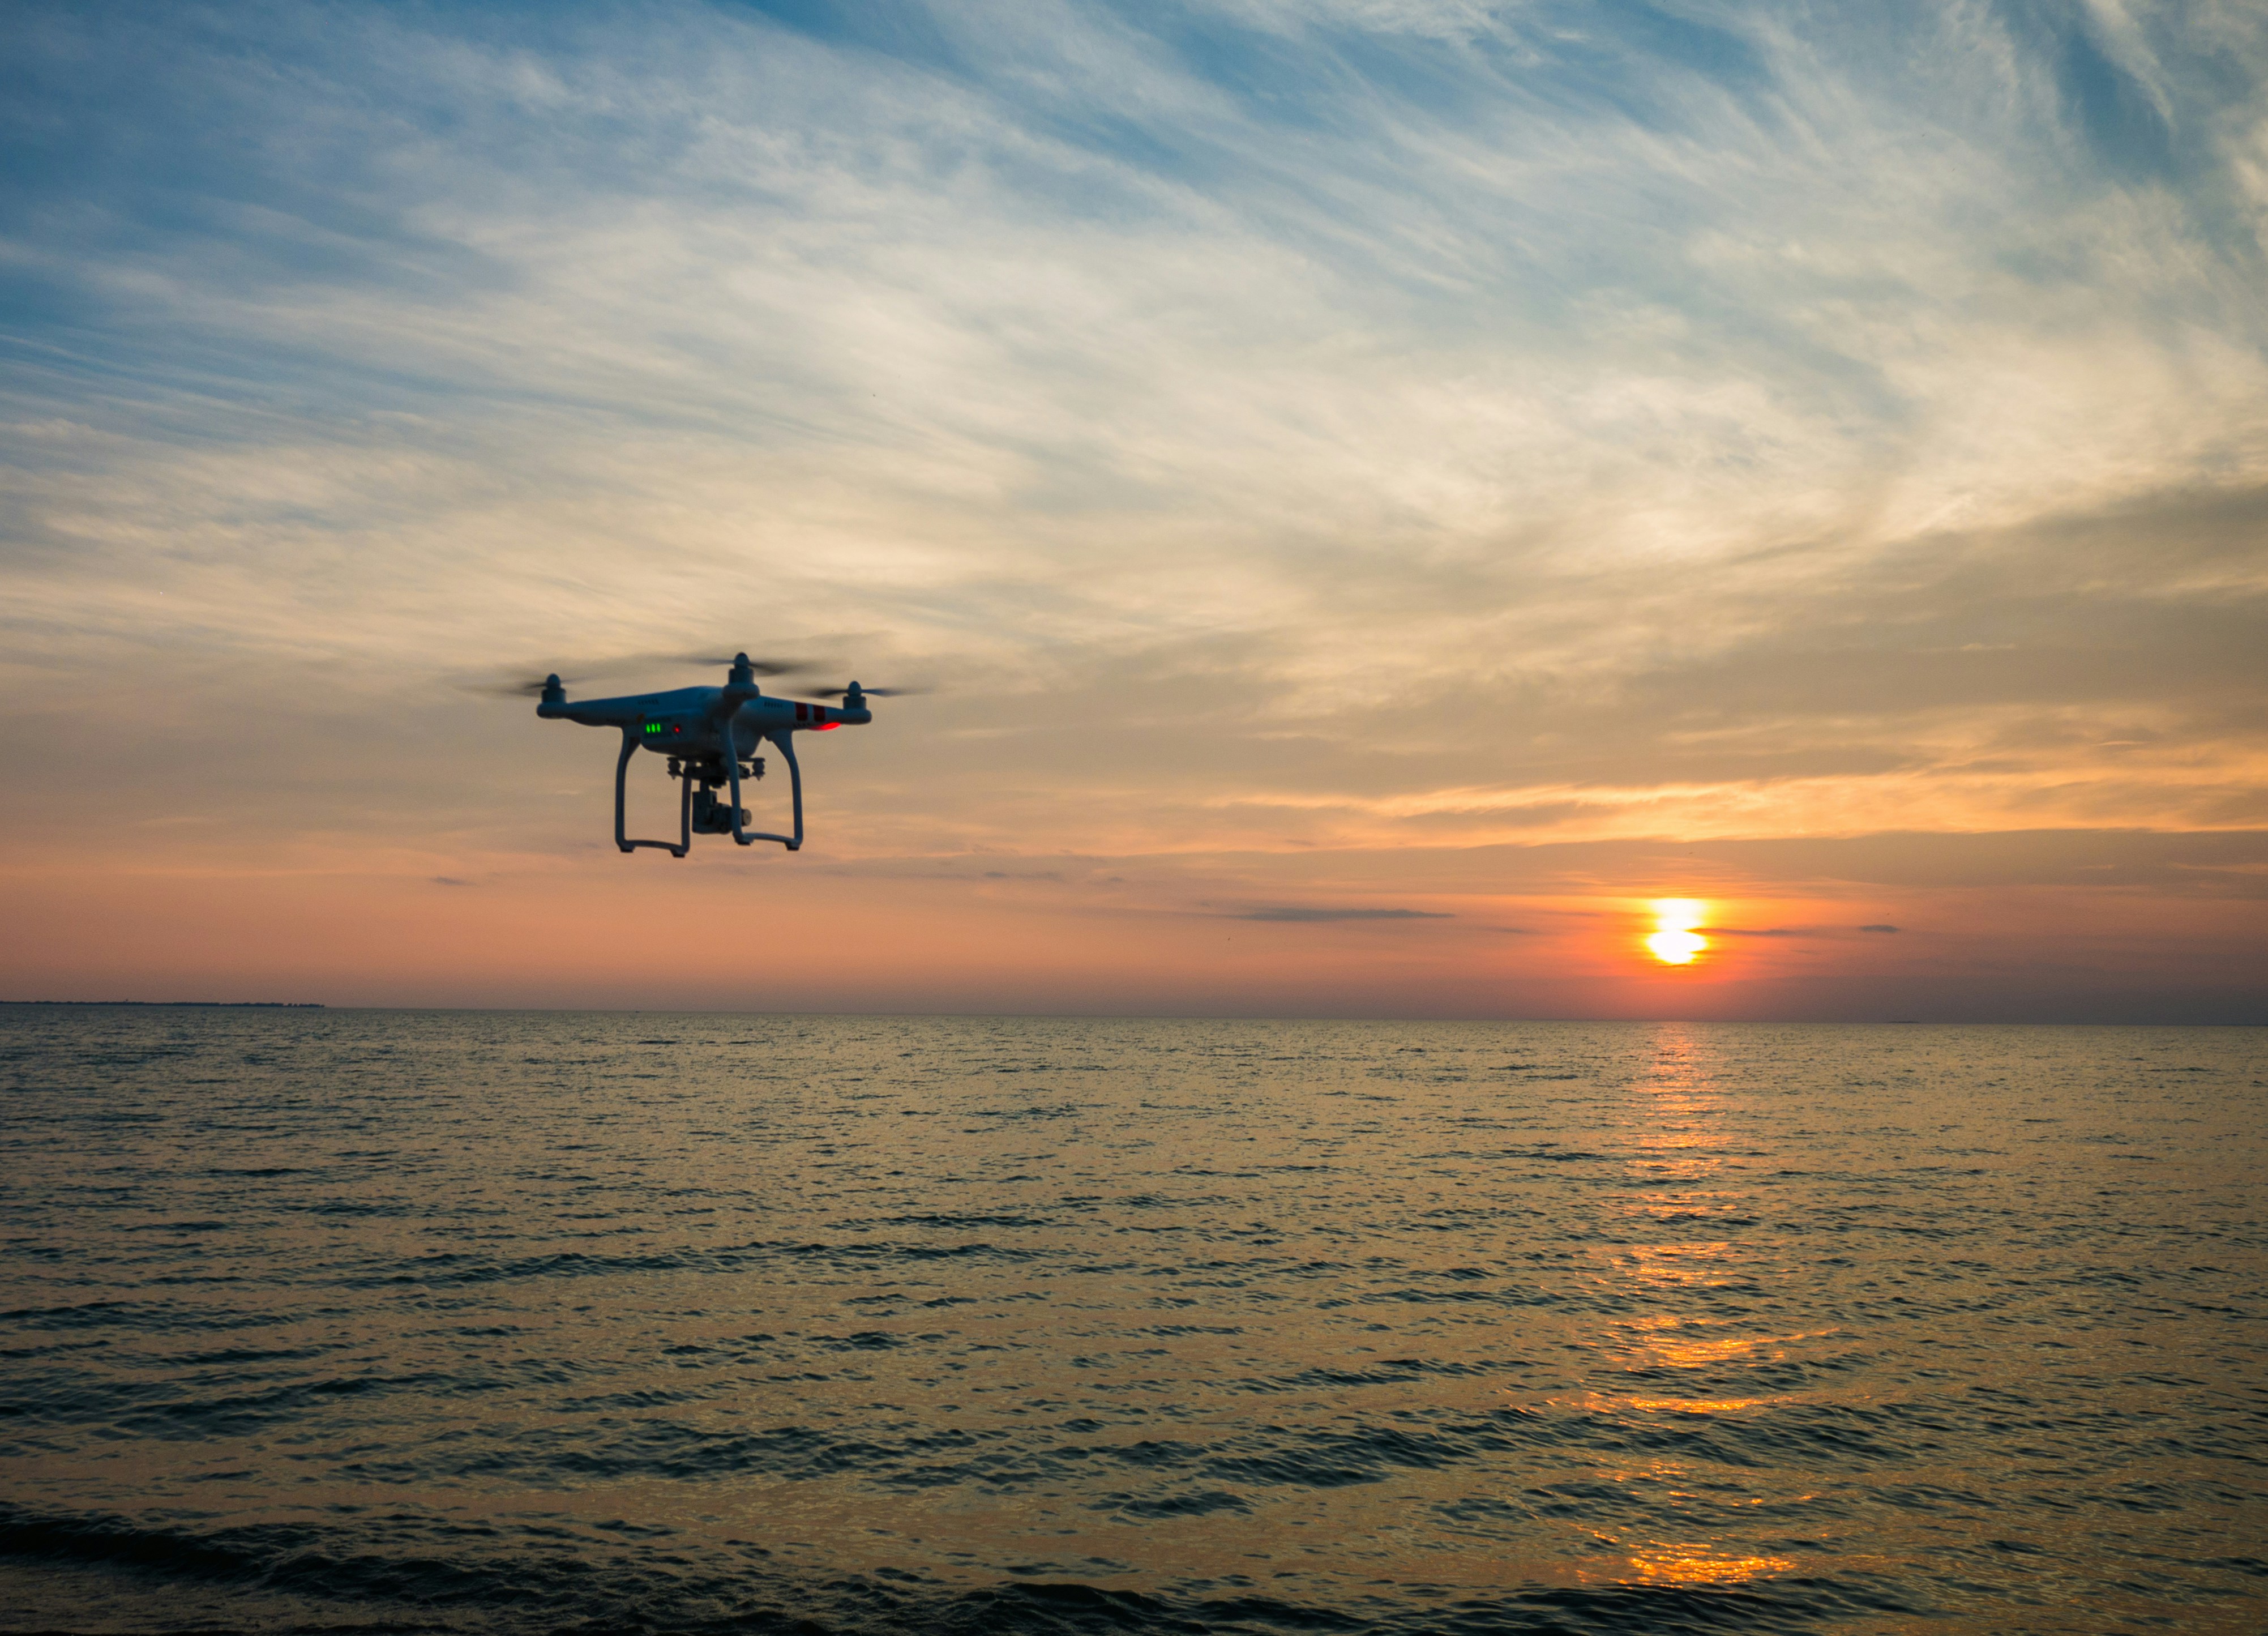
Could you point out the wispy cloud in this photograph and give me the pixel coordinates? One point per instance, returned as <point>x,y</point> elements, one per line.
<point>1299,915</point>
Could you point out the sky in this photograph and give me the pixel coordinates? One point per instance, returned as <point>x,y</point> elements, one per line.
<point>1385,493</point>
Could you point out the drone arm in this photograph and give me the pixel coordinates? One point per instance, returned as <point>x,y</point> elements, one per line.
<point>785,739</point>
<point>677,848</point>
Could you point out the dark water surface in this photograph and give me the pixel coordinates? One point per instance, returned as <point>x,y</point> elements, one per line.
<point>385,1320</point>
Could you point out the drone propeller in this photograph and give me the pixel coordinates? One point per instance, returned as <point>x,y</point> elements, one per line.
<point>883,692</point>
<point>517,689</point>
<point>761,666</point>
<point>593,670</point>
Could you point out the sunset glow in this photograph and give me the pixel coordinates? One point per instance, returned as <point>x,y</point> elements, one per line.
<point>1674,942</point>
<point>1329,551</point>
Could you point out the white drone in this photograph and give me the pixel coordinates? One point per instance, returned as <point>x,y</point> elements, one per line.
<point>710,735</point>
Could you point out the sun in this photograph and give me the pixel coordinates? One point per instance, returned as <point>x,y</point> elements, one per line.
<point>1674,942</point>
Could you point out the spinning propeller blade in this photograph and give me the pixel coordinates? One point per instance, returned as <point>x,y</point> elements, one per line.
<point>589,671</point>
<point>761,666</point>
<point>871,693</point>
<point>516,689</point>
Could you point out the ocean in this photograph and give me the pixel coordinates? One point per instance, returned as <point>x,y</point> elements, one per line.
<point>340,1320</point>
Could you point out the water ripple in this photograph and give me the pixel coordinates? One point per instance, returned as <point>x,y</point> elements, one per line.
<point>325,1320</point>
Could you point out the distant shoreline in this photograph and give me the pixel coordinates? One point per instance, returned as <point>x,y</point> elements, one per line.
<point>235,1004</point>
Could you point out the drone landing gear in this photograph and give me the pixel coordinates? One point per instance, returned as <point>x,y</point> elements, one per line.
<point>684,842</point>
<point>747,837</point>
<point>700,812</point>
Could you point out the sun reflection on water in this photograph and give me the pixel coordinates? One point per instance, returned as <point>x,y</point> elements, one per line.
<point>1689,1351</point>
<point>1694,1565</point>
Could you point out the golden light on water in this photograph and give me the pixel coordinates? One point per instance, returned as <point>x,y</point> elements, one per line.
<point>1695,1566</point>
<point>1674,942</point>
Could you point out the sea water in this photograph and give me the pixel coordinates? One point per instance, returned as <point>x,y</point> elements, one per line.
<point>524,1321</point>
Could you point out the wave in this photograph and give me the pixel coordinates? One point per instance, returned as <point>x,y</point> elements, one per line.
<point>434,1576</point>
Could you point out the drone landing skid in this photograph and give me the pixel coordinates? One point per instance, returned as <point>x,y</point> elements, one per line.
<point>740,834</point>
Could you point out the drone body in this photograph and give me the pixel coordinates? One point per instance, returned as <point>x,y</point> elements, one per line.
<point>710,736</point>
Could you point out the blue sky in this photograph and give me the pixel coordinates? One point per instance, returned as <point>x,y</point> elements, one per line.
<point>1334,453</point>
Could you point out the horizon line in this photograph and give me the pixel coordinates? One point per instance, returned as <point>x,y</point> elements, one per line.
<point>1139,1016</point>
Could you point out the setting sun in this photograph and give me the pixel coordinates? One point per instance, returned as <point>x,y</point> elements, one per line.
<point>1674,942</point>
